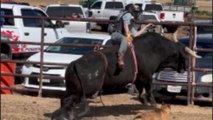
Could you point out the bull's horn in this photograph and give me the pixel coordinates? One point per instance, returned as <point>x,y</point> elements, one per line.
<point>192,53</point>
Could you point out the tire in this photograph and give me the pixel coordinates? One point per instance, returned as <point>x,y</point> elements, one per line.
<point>4,56</point>
<point>104,27</point>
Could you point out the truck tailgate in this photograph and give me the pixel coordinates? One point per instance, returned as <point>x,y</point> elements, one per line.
<point>174,16</point>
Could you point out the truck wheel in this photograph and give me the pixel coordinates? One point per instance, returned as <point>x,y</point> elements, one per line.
<point>4,56</point>
<point>104,27</point>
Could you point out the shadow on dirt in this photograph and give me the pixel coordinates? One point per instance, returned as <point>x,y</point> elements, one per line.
<point>114,110</point>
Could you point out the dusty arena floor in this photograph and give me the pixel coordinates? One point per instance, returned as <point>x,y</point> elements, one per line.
<point>117,107</point>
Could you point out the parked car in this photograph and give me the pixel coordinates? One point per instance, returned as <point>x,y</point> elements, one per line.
<point>152,17</point>
<point>27,30</point>
<point>201,29</point>
<point>167,75</point>
<point>60,54</point>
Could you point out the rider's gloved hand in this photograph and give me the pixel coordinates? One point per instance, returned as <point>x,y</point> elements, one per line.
<point>129,37</point>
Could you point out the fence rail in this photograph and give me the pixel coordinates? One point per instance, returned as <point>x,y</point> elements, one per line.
<point>190,84</point>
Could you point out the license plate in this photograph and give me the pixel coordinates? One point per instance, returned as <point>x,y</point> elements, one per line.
<point>174,89</point>
<point>45,80</point>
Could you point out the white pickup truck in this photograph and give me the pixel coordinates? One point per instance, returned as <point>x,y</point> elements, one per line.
<point>73,11</point>
<point>26,29</point>
<point>103,9</point>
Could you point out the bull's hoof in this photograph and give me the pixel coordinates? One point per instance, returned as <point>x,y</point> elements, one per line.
<point>82,109</point>
<point>154,105</point>
<point>132,90</point>
<point>143,99</point>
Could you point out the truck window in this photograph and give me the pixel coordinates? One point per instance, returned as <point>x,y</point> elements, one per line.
<point>96,5</point>
<point>64,11</point>
<point>7,21</point>
<point>153,7</point>
<point>34,22</point>
<point>114,5</point>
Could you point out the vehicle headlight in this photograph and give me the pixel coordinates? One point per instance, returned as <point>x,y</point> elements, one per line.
<point>28,64</point>
<point>206,78</point>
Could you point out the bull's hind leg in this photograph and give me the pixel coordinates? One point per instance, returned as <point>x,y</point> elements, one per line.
<point>66,112</point>
<point>83,105</point>
<point>77,104</point>
<point>67,97</point>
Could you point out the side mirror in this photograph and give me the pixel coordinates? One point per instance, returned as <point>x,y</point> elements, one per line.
<point>59,23</point>
<point>65,23</point>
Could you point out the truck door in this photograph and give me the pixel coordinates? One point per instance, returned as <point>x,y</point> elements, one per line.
<point>112,8</point>
<point>9,29</point>
<point>96,10</point>
<point>31,29</point>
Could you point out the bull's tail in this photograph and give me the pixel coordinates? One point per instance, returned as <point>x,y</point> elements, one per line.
<point>73,98</point>
<point>72,70</point>
<point>83,95</point>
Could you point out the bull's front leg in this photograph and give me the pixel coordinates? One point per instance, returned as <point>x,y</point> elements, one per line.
<point>143,98</point>
<point>142,94</point>
<point>66,111</point>
<point>149,94</point>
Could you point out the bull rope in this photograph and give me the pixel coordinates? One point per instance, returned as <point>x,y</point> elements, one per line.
<point>131,46</point>
<point>97,50</point>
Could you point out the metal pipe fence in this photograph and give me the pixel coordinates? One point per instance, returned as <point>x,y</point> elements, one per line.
<point>191,84</point>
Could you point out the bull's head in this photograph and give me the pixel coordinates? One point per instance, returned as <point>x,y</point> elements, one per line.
<point>180,58</point>
<point>177,59</point>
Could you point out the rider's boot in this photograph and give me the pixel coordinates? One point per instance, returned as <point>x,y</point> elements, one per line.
<point>121,60</point>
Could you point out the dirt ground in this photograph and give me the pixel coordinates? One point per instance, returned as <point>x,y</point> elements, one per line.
<point>117,107</point>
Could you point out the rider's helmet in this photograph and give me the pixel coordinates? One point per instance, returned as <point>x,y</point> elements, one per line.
<point>134,9</point>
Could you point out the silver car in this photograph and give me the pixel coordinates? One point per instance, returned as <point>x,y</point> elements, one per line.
<point>60,54</point>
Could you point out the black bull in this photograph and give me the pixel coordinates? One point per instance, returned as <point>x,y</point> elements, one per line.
<point>85,76</point>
